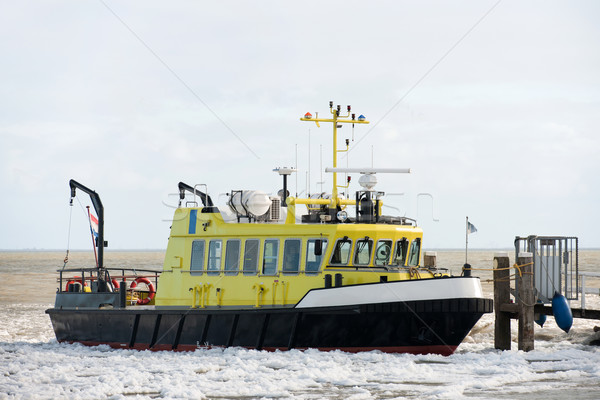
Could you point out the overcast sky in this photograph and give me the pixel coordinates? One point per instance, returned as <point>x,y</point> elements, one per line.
<point>131,97</point>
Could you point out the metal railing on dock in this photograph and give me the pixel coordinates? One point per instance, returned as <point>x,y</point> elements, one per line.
<point>555,264</point>
<point>583,289</point>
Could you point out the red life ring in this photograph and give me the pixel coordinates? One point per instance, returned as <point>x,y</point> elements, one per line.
<point>151,292</point>
<point>74,281</point>
<point>115,284</point>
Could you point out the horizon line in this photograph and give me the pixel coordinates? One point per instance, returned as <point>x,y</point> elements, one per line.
<point>164,249</point>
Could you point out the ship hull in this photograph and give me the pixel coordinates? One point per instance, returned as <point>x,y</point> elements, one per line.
<point>419,327</point>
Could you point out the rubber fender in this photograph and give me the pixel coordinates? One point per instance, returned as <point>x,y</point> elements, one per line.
<point>562,312</point>
<point>540,319</point>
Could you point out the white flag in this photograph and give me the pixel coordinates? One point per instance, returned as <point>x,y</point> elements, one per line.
<point>471,228</point>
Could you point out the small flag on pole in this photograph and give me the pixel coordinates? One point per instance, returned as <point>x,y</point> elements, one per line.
<point>94,232</point>
<point>471,228</point>
<point>94,225</point>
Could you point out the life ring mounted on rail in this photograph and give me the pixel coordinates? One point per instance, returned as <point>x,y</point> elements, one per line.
<point>75,280</point>
<point>151,290</point>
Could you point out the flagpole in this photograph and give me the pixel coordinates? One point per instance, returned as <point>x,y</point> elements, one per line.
<point>466,240</point>
<point>466,271</point>
<point>92,232</point>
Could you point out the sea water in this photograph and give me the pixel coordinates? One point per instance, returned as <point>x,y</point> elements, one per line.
<point>33,365</point>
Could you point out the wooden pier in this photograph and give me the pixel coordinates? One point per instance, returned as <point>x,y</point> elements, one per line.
<point>525,308</point>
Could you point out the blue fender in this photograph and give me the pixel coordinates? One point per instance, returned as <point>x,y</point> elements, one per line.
<point>562,312</point>
<point>540,319</point>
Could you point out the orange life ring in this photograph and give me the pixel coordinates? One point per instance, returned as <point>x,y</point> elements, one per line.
<point>115,284</point>
<point>74,281</point>
<point>151,290</point>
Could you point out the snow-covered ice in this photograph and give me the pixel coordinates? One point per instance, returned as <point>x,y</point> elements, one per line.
<point>33,365</point>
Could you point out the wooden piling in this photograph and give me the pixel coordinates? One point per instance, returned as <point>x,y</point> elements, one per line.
<point>525,305</point>
<point>526,301</point>
<point>502,340</point>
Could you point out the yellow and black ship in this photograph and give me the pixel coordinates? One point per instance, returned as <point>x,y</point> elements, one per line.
<point>275,272</point>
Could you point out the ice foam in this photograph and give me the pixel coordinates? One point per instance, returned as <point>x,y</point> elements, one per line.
<point>33,365</point>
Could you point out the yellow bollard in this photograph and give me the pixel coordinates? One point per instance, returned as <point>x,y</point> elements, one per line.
<point>260,290</point>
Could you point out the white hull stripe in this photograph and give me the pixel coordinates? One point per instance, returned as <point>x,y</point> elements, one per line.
<point>391,292</point>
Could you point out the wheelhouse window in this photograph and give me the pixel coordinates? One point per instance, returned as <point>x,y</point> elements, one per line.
<point>341,252</point>
<point>413,256</point>
<point>270,254</point>
<point>232,257</point>
<point>215,250</point>
<point>197,261</point>
<point>362,252</point>
<point>314,257</point>
<point>291,256</point>
<point>400,253</point>
<point>383,251</point>
<point>251,256</point>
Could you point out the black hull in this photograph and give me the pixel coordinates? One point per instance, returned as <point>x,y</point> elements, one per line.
<point>419,327</point>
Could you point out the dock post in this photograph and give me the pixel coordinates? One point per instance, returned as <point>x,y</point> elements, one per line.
<point>524,283</point>
<point>501,296</point>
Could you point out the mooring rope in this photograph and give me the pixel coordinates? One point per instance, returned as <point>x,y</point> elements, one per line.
<point>515,266</point>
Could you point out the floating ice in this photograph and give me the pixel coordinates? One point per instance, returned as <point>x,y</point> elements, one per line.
<point>34,365</point>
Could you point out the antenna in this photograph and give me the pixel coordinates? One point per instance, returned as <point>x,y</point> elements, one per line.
<point>308,177</point>
<point>306,183</point>
<point>346,177</point>
<point>285,172</point>
<point>321,166</point>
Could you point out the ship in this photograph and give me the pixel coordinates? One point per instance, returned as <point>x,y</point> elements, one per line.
<point>275,272</point>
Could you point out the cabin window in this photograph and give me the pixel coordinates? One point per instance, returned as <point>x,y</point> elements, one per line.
<point>362,255</point>
<point>401,251</point>
<point>291,255</point>
<point>251,256</point>
<point>215,250</point>
<point>313,261</point>
<point>413,256</point>
<point>383,252</point>
<point>232,256</point>
<point>197,261</point>
<point>341,252</point>
<point>270,253</point>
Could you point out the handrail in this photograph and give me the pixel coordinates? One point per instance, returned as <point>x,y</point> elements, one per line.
<point>87,274</point>
<point>88,269</point>
<point>204,197</point>
<point>584,290</point>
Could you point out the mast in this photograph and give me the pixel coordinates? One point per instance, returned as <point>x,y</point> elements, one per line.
<point>308,175</point>
<point>336,119</point>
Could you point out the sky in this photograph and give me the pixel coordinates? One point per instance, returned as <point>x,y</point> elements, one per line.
<point>493,105</point>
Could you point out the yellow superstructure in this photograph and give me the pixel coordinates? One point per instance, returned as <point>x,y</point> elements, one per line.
<point>246,264</point>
